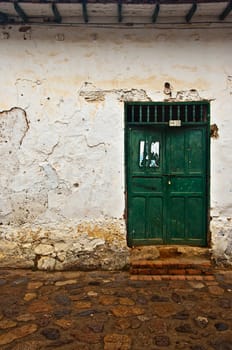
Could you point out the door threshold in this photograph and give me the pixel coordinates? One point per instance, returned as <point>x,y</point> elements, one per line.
<point>170,260</point>
<point>165,251</point>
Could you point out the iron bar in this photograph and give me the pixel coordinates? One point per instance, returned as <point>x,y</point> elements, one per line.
<point>194,112</point>
<point>178,112</point>
<point>163,114</point>
<point>170,112</point>
<point>155,114</point>
<point>140,113</point>
<point>186,113</point>
<point>133,113</point>
<point>201,113</point>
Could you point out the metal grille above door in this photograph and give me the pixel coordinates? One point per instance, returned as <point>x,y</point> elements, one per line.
<point>163,113</point>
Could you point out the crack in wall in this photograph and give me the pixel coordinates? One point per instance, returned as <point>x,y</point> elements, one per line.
<point>27,124</point>
<point>23,193</point>
<point>48,154</point>
<point>95,145</point>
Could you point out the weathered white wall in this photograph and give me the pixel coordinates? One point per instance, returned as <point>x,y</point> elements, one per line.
<point>62,134</point>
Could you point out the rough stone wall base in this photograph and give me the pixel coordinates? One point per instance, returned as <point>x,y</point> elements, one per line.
<point>88,245</point>
<point>221,230</point>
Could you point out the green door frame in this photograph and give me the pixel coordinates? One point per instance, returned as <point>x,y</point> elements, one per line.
<point>159,114</point>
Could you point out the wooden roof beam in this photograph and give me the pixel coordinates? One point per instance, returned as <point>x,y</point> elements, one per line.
<point>20,12</point>
<point>85,11</point>
<point>156,12</point>
<point>131,2</point>
<point>226,11</point>
<point>56,13</point>
<point>3,18</point>
<point>191,12</point>
<point>119,11</point>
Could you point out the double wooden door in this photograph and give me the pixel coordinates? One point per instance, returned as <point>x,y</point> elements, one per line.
<point>167,185</point>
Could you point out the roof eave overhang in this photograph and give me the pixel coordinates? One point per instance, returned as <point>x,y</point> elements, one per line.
<point>116,12</point>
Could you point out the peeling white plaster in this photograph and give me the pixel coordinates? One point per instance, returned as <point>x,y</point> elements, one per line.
<point>93,94</point>
<point>51,174</point>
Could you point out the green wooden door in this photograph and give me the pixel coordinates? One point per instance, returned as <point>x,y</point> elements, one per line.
<point>166,185</point>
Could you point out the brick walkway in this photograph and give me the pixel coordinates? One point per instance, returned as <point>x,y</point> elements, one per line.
<point>114,311</point>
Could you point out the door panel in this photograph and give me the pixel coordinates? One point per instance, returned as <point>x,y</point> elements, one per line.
<point>145,186</point>
<point>137,213</point>
<point>196,154</point>
<point>176,153</point>
<point>176,218</point>
<point>166,185</point>
<point>185,153</point>
<point>194,226</point>
<point>155,218</point>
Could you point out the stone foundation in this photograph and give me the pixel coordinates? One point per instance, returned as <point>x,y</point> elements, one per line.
<point>85,246</point>
<point>221,230</point>
<point>88,245</point>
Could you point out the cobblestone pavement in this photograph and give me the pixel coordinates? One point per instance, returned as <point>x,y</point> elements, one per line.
<point>114,311</point>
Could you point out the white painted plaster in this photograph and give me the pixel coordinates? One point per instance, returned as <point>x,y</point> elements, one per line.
<point>63,162</point>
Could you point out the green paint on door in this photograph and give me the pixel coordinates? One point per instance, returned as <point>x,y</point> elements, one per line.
<point>167,179</point>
